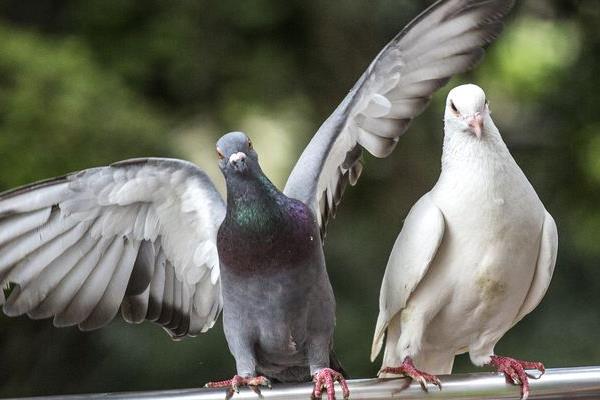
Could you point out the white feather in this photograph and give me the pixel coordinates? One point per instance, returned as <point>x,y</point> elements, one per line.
<point>19,224</point>
<point>44,197</point>
<point>33,293</point>
<point>108,306</point>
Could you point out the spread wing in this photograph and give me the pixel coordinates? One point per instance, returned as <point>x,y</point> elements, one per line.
<point>414,250</point>
<point>446,39</point>
<point>544,268</point>
<point>139,234</point>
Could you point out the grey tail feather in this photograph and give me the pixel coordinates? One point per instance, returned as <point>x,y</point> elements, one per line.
<point>335,364</point>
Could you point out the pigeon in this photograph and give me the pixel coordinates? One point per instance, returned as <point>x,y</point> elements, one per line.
<point>154,239</point>
<point>475,255</point>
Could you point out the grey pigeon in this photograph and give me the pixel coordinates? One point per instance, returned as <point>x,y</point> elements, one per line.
<point>154,238</point>
<point>475,255</point>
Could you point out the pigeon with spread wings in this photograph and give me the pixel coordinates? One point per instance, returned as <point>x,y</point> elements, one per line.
<point>153,238</point>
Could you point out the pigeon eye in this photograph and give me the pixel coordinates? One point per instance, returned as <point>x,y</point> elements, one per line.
<point>220,154</point>
<point>249,144</point>
<point>453,107</point>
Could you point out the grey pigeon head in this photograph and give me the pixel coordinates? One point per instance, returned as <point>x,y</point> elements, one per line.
<point>236,155</point>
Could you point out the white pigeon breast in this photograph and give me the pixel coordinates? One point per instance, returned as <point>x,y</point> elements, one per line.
<point>493,228</point>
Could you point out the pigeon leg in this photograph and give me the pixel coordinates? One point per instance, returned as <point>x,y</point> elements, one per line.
<point>325,378</point>
<point>407,368</point>
<point>514,370</point>
<point>233,385</point>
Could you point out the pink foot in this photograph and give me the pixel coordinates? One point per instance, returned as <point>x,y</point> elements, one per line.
<point>325,378</point>
<point>514,370</point>
<point>407,368</point>
<point>233,385</point>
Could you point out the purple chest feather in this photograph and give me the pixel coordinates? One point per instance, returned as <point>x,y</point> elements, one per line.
<point>267,236</point>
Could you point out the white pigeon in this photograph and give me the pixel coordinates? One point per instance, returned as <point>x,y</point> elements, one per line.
<point>475,255</point>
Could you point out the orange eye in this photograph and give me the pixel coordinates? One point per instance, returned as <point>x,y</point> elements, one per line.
<point>220,154</point>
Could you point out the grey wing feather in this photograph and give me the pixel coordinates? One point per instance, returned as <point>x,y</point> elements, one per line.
<point>139,235</point>
<point>444,40</point>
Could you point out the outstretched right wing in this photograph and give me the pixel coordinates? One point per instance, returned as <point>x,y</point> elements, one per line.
<point>139,234</point>
<point>446,39</point>
<point>412,254</point>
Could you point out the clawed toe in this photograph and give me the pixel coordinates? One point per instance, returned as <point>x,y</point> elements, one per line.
<point>325,378</point>
<point>233,385</point>
<point>408,369</point>
<point>514,370</point>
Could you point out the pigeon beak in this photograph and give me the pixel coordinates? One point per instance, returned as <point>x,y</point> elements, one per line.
<point>238,161</point>
<point>475,123</point>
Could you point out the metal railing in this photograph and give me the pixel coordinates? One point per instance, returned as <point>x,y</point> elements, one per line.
<point>557,383</point>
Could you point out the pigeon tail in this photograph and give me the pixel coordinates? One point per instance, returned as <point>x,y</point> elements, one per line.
<point>378,336</point>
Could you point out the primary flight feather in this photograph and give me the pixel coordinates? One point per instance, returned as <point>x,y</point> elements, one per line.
<point>153,238</point>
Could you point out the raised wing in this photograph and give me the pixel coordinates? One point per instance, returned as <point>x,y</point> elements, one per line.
<point>544,268</point>
<point>446,39</point>
<point>413,252</point>
<point>139,234</point>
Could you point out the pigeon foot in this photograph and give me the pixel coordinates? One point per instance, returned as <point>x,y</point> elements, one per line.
<point>407,368</point>
<point>325,378</point>
<point>514,370</point>
<point>233,385</point>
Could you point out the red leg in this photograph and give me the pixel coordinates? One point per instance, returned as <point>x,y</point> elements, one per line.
<point>233,385</point>
<point>325,378</point>
<point>407,368</point>
<point>514,370</point>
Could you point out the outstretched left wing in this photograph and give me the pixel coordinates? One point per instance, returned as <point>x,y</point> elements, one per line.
<point>444,40</point>
<point>139,234</point>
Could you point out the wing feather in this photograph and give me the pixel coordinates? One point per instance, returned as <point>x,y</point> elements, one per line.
<point>157,288</point>
<point>111,299</point>
<point>61,296</point>
<point>411,256</point>
<point>16,225</point>
<point>36,291</point>
<point>93,287</point>
<point>544,268</point>
<point>135,307</point>
<point>166,312</point>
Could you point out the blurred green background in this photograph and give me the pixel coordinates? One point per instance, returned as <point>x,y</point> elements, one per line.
<point>88,82</point>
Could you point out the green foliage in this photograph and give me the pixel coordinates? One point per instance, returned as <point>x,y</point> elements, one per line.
<point>59,111</point>
<point>530,54</point>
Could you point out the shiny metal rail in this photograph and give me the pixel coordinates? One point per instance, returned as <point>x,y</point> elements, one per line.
<point>557,383</point>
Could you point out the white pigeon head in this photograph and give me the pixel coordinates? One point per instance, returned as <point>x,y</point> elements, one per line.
<point>467,111</point>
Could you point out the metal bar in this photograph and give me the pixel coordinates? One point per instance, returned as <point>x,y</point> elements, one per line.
<point>557,383</point>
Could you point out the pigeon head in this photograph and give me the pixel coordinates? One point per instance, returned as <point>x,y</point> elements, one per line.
<point>467,110</point>
<point>236,155</point>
